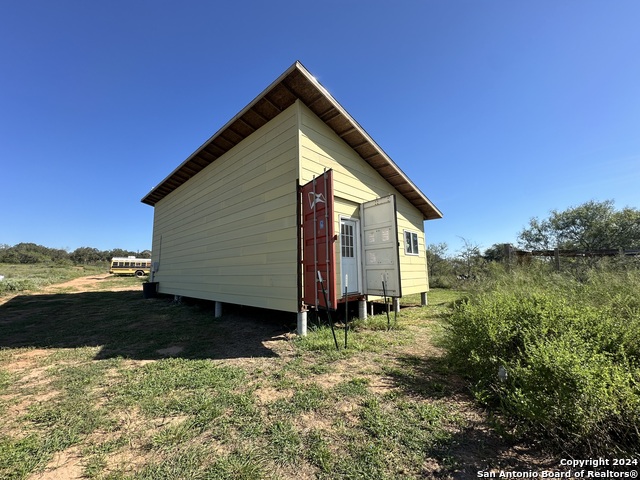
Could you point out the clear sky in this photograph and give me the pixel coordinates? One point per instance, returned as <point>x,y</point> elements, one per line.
<point>498,110</point>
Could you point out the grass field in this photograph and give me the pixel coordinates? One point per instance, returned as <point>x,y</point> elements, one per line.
<point>18,278</point>
<point>108,385</point>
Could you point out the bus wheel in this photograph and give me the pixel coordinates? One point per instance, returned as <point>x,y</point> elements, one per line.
<point>139,273</point>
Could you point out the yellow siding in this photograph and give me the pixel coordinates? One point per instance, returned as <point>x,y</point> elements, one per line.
<point>229,233</point>
<point>356,182</point>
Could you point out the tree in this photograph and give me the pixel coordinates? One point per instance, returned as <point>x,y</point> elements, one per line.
<point>495,253</point>
<point>86,255</point>
<point>590,226</point>
<point>31,253</point>
<point>469,258</point>
<point>440,266</point>
<point>436,258</point>
<point>119,252</point>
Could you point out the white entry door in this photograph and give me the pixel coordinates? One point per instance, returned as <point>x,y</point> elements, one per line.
<point>349,255</point>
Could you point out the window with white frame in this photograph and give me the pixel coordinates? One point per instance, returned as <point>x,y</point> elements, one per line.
<point>410,242</point>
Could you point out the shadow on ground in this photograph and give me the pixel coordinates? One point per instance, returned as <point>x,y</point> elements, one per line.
<point>125,325</point>
<point>476,446</point>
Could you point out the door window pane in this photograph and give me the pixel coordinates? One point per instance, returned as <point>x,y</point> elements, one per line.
<point>347,240</point>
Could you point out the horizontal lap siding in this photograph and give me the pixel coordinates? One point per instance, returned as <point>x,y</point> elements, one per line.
<point>229,233</point>
<point>356,182</point>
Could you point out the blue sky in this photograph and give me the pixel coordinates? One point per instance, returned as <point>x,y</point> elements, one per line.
<point>498,110</point>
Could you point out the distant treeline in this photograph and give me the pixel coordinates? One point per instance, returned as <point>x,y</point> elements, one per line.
<point>32,253</point>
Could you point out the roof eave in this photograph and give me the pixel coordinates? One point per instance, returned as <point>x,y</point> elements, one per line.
<point>431,212</point>
<point>287,93</point>
<point>220,130</point>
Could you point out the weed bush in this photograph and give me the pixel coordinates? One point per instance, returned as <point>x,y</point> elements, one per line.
<point>11,285</point>
<point>570,350</point>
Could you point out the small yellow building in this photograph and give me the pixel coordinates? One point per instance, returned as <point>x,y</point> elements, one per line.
<point>287,202</point>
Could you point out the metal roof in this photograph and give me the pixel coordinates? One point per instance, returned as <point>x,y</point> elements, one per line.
<point>295,83</point>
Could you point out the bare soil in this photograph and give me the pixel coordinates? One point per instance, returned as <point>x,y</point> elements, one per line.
<point>92,283</point>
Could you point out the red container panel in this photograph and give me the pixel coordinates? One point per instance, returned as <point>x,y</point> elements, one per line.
<point>319,241</point>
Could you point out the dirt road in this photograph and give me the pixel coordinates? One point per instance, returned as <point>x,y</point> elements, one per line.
<point>93,283</point>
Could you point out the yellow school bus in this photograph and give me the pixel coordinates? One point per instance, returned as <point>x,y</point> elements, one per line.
<point>130,266</point>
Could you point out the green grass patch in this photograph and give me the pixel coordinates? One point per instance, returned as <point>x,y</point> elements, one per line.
<point>242,464</point>
<point>21,277</point>
<point>176,385</point>
<point>70,416</point>
<point>355,387</point>
<point>21,456</point>
<point>69,355</point>
<point>305,399</point>
<point>185,464</point>
<point>378,322</point>
<point>56,423</point>
<point>391,439</point>
<point>284,442</point>
<point>175,435</point>
<point>363,336</point>
<point>5,380</point>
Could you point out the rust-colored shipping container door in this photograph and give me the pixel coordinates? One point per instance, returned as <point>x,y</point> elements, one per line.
<point>318,241</point>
